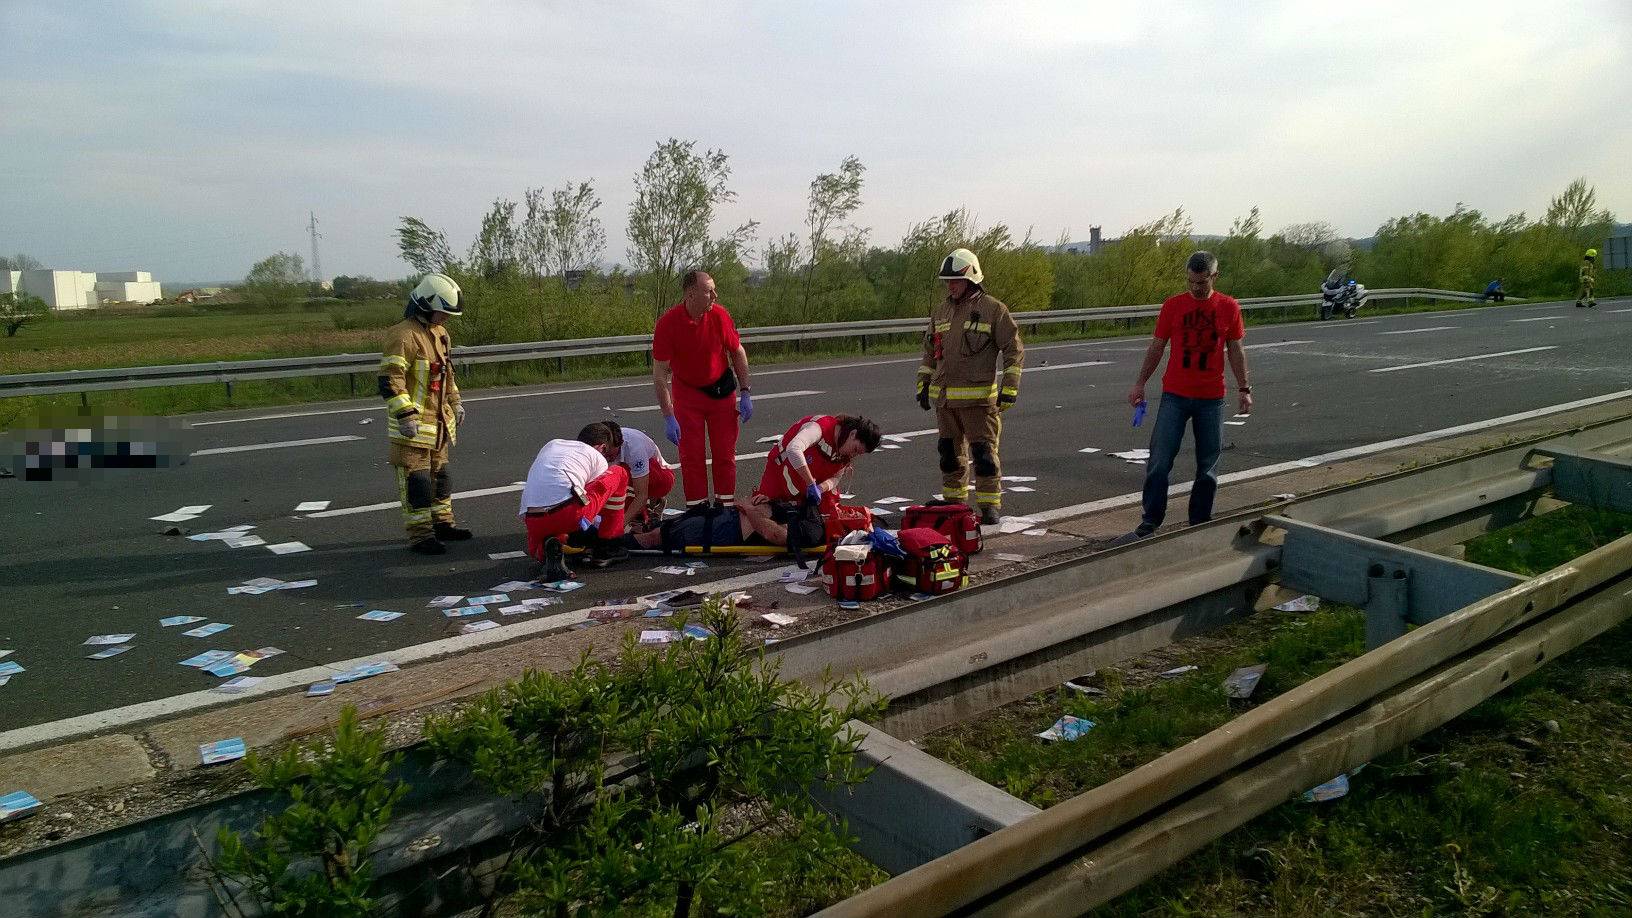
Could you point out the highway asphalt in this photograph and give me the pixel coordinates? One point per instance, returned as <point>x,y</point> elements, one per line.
<point>82,558</point>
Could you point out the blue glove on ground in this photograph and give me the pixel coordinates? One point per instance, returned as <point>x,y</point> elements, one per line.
<point>671,429</point>
<point>745,406</point>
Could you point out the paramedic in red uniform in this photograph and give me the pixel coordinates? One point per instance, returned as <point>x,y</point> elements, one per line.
<point>698,363</point>
<point>807,461</point>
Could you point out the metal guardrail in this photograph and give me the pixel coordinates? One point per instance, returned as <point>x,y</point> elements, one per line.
<point>69,381</point>
<point>1006,639</point>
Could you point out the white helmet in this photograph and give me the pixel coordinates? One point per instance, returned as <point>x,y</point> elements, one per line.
<point>961,265</point>
<point>436,293</point>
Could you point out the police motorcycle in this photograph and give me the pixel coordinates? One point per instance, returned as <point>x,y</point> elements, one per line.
<point>1340,294</point>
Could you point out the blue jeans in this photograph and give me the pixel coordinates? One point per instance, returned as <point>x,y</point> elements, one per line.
<point>1206,418</point>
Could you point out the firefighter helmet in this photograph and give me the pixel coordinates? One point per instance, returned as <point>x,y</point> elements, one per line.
<point>1592,253</point>
<point>436,293</point>
<point>961,265</point>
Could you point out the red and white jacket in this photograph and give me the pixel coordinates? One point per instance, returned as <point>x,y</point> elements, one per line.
<point>816,439</point>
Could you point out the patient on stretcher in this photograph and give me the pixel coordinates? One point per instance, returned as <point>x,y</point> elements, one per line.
<point>742,525</point>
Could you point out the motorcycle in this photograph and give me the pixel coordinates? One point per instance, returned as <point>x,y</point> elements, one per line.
<point>1341,296</point>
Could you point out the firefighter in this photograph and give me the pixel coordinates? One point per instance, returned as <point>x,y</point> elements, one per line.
<point>1584,294</point>
<point>959,378</point>
<point>423,413</point>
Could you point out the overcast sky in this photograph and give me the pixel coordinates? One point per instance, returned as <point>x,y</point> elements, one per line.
<point>192,138</point>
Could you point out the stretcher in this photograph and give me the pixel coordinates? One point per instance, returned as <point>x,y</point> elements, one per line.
<point>743,550</point>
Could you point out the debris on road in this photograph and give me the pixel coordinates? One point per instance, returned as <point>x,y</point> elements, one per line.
<point>1178,671</point>
<point>17,804</point>
<point>380,615</point>
<point>107,652</point>
<point>505,555</point>
<point>308,506</point>
<point>182,515</point>
<point>1243,681</point>
<point>1301,604</point>
<point>207,630</point>
<point>1331,790</point>
<point>474,627</point>
<point>102,639</point>
<point>319,689</point>
<point>1068,728</point>
<point>227,750</point>
<point>779,619</point>
<point>288,548</point>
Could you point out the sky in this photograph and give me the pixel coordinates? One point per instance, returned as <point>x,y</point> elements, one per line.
<point>193,138</point>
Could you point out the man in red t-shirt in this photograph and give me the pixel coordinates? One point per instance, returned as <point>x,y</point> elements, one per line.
<point>1203,325</point>
<point>698,363</point>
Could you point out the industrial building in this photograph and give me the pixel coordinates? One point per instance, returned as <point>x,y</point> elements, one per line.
<point>82,289</point>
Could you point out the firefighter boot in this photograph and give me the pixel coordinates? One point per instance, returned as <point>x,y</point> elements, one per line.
<point>448,532</point>
<point>989,515</point>
<point>430,546</point>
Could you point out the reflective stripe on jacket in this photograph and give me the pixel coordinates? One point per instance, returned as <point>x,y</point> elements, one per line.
<point>962,350</point>
<point>416,380</point>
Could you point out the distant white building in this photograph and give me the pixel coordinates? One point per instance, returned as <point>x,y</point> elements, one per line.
<point>82,289</point>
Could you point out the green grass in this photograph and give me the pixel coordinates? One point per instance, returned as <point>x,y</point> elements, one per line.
<point>182,334</point>
<point>1497,813</point>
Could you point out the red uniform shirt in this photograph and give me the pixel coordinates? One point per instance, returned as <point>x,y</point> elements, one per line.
<point>781,482</point>
<point>1197,330</point>
<point>695,349</point>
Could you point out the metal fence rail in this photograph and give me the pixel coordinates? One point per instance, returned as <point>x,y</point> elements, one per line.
<point>69,381</point>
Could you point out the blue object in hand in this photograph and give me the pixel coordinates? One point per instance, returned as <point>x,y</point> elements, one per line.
<point>813,493</point>
<point>671,429</point>
<point>586,525</point>
<point>745,406</point>
<point>1139,414</point>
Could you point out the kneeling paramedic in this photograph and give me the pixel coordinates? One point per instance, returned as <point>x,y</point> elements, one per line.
<point>423,413</point>
<point>807,462</point>
<point>575,491</point>
<point>959,378</point>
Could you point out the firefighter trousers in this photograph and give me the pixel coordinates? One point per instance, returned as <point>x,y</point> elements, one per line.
<point>424,487</point>
<point>973,429</point>
<point>1584,292</point>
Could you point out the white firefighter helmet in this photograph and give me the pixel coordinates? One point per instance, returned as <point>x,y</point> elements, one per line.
<point>961,265</point>
<point>436,293</point>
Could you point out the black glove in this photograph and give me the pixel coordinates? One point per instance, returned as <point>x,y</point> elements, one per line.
<point>923,395</point>
<point>1005,401</point>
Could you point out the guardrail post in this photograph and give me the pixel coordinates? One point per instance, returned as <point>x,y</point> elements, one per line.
<point>351,382</point>
<point>561,366</point>
<point>1389,589</point>
<point>84,400</point>
<point>229,390</point>
<point>864,344</point>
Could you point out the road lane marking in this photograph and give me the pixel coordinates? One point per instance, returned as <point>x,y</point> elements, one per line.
<point>759,398</point>
<point>1248,347</point>
<point>1413,331</point>
<point>1437,363</point>
<point>1536,319</point>
<point>1344,324</point>
<point>285,444</point>
<point>1068,366</point>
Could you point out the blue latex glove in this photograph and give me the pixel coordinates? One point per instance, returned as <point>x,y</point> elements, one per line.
<point>586,525</point>
<point>671,429</point>
<point>813,493</point>
<point>745,406</point>
<point>1139,414</point>
<point>886,544</point>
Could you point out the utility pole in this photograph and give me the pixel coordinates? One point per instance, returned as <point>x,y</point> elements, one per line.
<point>317,266</point>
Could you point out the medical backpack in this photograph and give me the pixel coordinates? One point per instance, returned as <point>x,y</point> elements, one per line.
<point>933,564</point>
<point>867,578</point>
<point>954,519</point>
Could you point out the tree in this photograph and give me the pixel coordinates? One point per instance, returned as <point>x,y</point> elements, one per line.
<point>19,309</point>
<point>576,237</point>
<point>276,282</point>
<point>670,220</point>
<point>1311,235</point>
<point>834,196</point>
<point>1576,214</point>
<point>425,249</point>
<point>20,262</point>
<point>497,249</point>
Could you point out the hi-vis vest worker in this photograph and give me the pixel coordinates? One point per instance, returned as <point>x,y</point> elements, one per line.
<point>423,412</point>
<point>1584,294</point>
<point>968,332</point>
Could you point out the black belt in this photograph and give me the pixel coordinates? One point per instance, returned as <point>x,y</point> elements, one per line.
<point>551,510</point>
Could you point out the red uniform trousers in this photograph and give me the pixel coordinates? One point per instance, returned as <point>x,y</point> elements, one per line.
<point>696,412</point>
<point>603,497</point>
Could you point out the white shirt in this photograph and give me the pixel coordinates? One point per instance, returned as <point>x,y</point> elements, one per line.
<point>562,470</point>
<point>640,453</point>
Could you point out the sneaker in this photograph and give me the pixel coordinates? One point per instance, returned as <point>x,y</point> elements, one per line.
<point>1142,531</point>
<point>428,546</point>
<point>555,564</point>
<point>990,516</point>
<point>608,553</point>
<point>448,532</point>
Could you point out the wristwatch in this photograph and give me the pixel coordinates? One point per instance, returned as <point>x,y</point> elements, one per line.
<point>1244,390</point>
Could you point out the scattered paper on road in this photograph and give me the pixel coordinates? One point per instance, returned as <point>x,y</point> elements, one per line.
<point>309,506</point>
<point>10,668</point>
<point>1236,423</point>
<point>882,511</point>
<point>1035,532</point>
<point>102,639</point>
<point>1084,689</point>
<point>1021,489</point>
<point>1068,728</point>
<point>1241,683</point>
<point>1178,671</point>
<point>380,615</point>
<point>443,602</point>
<point>793,575</point>
<point>1133,455</point>
<point>697,632</point>
<point>887,501</point>
<point>245,541</point>
<point>562,586</point>
<point>1301,604</point>
<point>1013,524</point>
<point>465,611</point>
<point>505,555</point>
<point>1019,477</point>
<point>227,750</point>
<point>182,515</point>
<point>1009,556</point>
<point>802,589</point>
<point>474,627</point>
<point>772,439</point>
<point>1248,415</point>
<point>673,570</point>
<point>541,602</point>
<point>319,689</point>
<point>17,804</point>
<point>297,585</point>
<point>659,637</point>
<point>207,630</point>
<point>1331,790</point>
<point>288,548</point>
<point>365,670</point>
<point>513,586</point>
<point>492,600</point>
<point>1089,449</point>
<point>106,652</point>
<point>240,684</point>
<point>207,658</point>
<point>778,619</point>
<point>1283,496</point>
<point>228,668</point>
<point>264,582</point>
